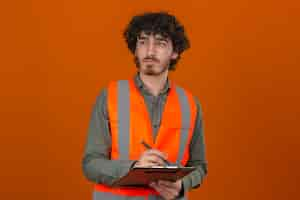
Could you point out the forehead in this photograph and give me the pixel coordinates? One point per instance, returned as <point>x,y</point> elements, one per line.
<point>157,36</point>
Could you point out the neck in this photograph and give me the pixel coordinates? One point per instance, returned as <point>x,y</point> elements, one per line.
<point>154,84</point>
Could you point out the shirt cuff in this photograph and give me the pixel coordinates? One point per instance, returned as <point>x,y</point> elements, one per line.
<point>125,167</point>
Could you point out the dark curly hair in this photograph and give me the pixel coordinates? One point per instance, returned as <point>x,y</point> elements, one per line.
<point>157,23</point>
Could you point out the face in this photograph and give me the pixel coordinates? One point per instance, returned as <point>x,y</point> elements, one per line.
<point>153,54</point>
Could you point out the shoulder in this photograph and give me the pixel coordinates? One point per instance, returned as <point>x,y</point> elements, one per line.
<point>198,105</point>
<point>194,99</point>
<point>104,93</point>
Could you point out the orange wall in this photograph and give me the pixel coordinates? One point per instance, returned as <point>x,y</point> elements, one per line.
<point>243,65</point>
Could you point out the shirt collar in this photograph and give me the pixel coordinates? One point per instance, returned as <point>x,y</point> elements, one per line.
<point>139,83</point>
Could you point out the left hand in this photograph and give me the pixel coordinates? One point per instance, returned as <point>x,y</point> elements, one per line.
<point>168,190</point>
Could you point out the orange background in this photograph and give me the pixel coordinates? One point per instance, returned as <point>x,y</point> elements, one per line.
<point>243,65</point>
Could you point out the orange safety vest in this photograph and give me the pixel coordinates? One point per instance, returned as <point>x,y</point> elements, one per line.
<point>130,124</point>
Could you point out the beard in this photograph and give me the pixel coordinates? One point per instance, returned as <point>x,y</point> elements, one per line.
<point>149,69</point>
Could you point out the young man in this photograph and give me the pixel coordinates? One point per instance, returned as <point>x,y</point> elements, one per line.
<point>148,108</point>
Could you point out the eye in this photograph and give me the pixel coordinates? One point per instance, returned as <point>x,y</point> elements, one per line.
<point>141,42</point>
<point>162,43</point>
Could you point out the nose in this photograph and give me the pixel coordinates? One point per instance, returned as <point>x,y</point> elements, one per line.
<point>151,49</point>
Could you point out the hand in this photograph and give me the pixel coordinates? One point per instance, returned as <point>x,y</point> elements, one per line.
<point>168,190</point>
<point>151,158</point>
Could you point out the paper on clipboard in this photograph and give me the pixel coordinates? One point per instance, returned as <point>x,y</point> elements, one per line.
<point>141,176</point>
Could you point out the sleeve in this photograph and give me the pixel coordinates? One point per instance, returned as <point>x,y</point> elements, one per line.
<point>96,164</point>
<point>197,154</point>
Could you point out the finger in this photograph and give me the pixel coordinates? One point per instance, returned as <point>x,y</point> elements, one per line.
<point>170,189</point>
<point>146,163</point>
<point>170,193</point>
<point>153,159</point>
<point>149,163</point>
<point>152,164</point>
<point>156,152</point>
<point>164,189</point>
<point>153,184</point>
<point>166,195</point>
<point>168,184</point>
<point>165,192</point>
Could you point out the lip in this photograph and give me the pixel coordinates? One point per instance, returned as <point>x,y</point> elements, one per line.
<point>149,60</point>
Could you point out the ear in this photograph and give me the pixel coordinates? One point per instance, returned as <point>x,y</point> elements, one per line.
<point>174,55</point>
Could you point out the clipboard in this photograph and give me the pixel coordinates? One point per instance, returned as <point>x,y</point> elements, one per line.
<point>141,176</point>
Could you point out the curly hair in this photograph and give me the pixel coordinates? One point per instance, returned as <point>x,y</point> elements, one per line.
<point>157,23</point>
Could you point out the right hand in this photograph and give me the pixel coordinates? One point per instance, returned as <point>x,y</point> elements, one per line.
<point>151,158</point>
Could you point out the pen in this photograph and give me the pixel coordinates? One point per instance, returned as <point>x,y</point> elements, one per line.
<point>149,147</point>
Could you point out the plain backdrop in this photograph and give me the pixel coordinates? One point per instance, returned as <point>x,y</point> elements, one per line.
<point>243,65</point>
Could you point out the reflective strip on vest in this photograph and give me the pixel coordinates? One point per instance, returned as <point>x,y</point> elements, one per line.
<point>110,196</point>
<point>123,118</point>
<point>185,121</point>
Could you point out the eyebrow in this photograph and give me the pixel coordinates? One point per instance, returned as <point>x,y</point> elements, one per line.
<point>161,39</point>
<point>142,37</point>
<point>157,37</point>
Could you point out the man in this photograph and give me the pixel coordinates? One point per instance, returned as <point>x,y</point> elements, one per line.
<point>148,108</point>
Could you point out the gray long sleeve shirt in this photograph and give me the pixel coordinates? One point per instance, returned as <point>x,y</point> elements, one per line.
<point>96,163</point>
